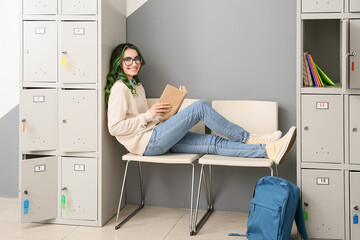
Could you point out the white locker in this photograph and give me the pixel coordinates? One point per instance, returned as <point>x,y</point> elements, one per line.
<point>354,205</point>
<point>40,54</point>
<point>77,120</point>
<point>78,52</point>
<point>39,188</point>
<point>354,128</point>
<point>79,188</point>
<point>87,7</point>
<point>320,113</point>
<point>38,119</point>
<point>39,7</point>
<point>322,195</point>
<point>322,6</point>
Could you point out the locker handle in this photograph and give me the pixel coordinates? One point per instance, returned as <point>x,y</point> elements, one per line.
<point>354,129</point>
<point>306,128</point>
<point>306,204</point>
<point>23,121</point>
<point>352,54</point>
<point>64,120</point>
<point>64,52</point>
<point>64,188</point>
<point>25,192</point>
<point>356,207</point>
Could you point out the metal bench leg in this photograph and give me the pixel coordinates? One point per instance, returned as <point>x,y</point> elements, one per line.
<point>192,198</point>
<point>121,195</point>
<point>210,204</point>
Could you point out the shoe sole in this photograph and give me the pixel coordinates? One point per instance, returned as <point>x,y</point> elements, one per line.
<point>287,146</point>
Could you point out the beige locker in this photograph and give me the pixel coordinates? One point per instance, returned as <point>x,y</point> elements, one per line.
<point>77,120</point>
<point>86,7</point>
<point>78,52</point>
<point>354,5</point>
<point>38,119</point>
<point>322,132</point>
<point>311,6</point>
<point>39,7</point>
<point>39,187</point>
<point>323,199</point>
<point>79,188</point>
<point>40,54</point>
<point>354,205</point>
<point>354,128</point>
<point>354,50</point>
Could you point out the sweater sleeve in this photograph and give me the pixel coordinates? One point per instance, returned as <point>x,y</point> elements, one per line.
<point>118,123</point>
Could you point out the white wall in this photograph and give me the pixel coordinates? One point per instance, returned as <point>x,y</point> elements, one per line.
<point>9,60</point>
<point>132,5</point>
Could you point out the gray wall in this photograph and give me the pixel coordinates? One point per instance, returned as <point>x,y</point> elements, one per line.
<point>9,149</point>
<point>219,49</point>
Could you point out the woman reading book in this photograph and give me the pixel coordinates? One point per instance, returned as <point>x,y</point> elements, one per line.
<point>143,131</point>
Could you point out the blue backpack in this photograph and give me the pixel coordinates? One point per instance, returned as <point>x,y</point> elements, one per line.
<point>274,206</point>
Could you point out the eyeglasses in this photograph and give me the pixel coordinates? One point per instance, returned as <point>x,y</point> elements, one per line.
<point>129,61</point>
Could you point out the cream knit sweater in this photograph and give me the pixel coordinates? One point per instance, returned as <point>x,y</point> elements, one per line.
<point>129,117</point>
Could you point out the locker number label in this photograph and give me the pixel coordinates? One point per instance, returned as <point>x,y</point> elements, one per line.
<point>79,167</point>
<point>322,105</point>
<point>40,168</point>
<point>38,99</point>
<point>39,30</point>
<point>79,31</point>
<point>322,181</point>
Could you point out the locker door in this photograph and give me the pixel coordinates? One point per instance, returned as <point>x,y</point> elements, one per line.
<point>39,6</point>
<point>322,5</point>
<point>79,6</point>
<point>322,132</point>
<point>78,120</point>
<point>354,205</point>
<point>354,6</point>
<point>40,51</point>
<point>354,49</point>
<point>38,119</point>
<point>39,188</point>
<point>78,52</point>
<point>354,124</point>
<point>322,195</point>
<point>79,188</point>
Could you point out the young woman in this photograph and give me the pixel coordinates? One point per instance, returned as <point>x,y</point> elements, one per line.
<point>142,130</point>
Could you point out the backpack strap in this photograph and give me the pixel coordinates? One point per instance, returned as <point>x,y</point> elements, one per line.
<point>299,219</point>
<point>237,234</point>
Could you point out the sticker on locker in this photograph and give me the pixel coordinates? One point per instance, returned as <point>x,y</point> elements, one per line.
<point>40,30</point>
<point>40,168</point>
<point>39,99</point>
<point>79,167</point>
<point>79,31</point>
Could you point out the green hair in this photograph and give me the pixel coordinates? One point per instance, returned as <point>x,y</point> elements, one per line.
<point>116,71</point>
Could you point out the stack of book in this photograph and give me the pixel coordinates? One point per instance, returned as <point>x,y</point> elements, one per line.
<point>313,75</point>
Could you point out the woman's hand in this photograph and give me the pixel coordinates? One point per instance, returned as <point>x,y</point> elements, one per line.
<point>159,109</point>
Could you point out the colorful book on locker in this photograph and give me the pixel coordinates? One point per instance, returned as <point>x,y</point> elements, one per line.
<point>318,79</point>
<point>307,79</point>
<point>326,80</point>
<point>312,70</point>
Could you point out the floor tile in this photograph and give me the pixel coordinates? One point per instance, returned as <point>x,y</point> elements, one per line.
<point>138,228</point>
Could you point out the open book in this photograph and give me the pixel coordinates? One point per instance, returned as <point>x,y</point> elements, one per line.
<point>173,96</point>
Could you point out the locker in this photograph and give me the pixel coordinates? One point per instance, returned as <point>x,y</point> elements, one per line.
<point>354,51</point>
<point>77,120</point>
<point>40,54</point>
<point>78,52</point>
<point>322,132</point>
<point>38,119</point>
<point>39,7</point>
<point>79,7</point>
<point>39,187</point>
<point>322,5</point>
<point>354,129</point>
<point>354,205</point>
<point>79,188</point>
<point>354,6</point>
<point>323,199</point>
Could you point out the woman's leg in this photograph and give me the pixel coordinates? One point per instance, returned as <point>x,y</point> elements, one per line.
<point>212,144</point>
<point>171,131</point>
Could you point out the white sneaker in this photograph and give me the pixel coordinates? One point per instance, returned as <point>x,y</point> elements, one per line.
<point>263,139</point>
<point>277,150</point>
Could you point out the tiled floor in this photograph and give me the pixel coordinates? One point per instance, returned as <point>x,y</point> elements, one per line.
<point>150,223</point>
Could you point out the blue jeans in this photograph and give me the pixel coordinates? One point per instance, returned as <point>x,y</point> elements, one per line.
<point>173,135</point>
